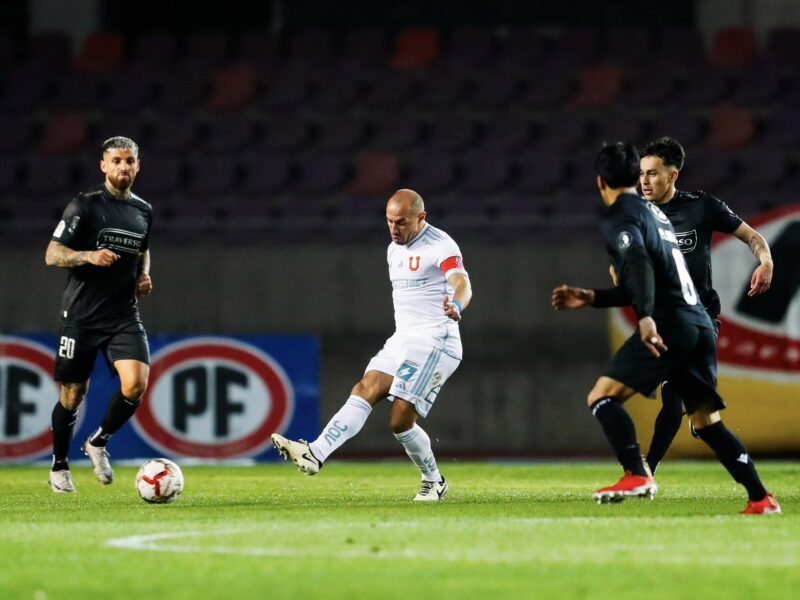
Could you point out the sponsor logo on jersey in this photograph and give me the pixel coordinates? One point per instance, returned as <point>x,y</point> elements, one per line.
<point>687,240</point>
<point>214,398</point>
<point>120,240</point>
<point>27,396</point>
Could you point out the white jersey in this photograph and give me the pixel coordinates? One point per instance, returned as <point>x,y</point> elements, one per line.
<point>419,271</point>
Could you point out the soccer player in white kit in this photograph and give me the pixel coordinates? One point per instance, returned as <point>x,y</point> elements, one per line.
<point>430,290</point>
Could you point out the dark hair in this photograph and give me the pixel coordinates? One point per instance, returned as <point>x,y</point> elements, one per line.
<point>668,150</point>
<point>618,165</point>
<point>120,143</point>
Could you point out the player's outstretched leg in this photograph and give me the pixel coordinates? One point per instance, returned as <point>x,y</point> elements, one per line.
<point>734,457</point>
<point>63,423</point>
<point>417,445</point>
<point>120,410</point>
<point>666,426</point>
<point>621,434</point>
<point>297,452</point>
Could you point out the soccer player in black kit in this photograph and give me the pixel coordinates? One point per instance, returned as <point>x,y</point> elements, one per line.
<point>674,342</point>
<point>102,239</point>
<point>695,216</point>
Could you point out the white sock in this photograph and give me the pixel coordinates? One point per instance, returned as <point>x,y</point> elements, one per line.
<point>418,447</point>
<point>343,425</point>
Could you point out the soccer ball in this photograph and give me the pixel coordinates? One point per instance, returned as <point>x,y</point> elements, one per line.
<point>159,481</point>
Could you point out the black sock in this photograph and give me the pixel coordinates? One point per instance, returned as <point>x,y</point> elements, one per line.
<point>62,422</point>
<point>619,429</point>
<point>666,427</point>
<point>734,457</point>
<point>119,410</point>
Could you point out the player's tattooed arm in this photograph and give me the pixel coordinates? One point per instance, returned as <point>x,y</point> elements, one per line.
<point>144,285</point>
<point>59,255</point>
<point>762,276</point>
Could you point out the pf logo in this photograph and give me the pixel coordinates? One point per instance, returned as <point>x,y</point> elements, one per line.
<point>214,398</point>
<point>27,396</point>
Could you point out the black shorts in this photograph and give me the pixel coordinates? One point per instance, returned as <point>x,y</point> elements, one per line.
<point>77,350</point>
<point>689,364</point>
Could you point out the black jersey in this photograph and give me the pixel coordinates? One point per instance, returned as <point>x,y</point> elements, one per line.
<point>103,297</point>
<point>632,226</point>
<point>695,217</point>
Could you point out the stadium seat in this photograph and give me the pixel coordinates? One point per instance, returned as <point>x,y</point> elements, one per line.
<point>598,86</point>
<point>441,88</point>
<point>680,124</point>
<point>173,134</point>
<point>575,47</point>
<point>526,46</point>
<point>545,88</point>
<point>782,130</point>
<point>321,173</point>
<point>311,47</point>
<point>761,170</point>
<point>730,128</point>
<point>620,125</point>
<point>494,87</point>
<point>468,47</point>
<point>644,90</point>
<point>451,132</point>
<point>206,50</point>
<point>758,86</point>
<point>8,50</point>
<point>17,134</point>
<point>50,51</point>
<point>264,176</point>
<point>733,48</point>
<point>706,170</point>
<point>179,92</point>
<point>161,176</point>
<point>387,89</point>
<point>212,179</point>
<point>338,132</point>
<point>415,48</point>
<point>507,132</point>
<point>337,88</point>
<point>228,134</point>
<point>133,125</point>
<point>683,47</point>
<point>628,46</point>
<point>394,131</point>
<point>483,173</point>
<point>284,133</point>
<point>102,52</point>
<point>24,89</point>
<point>561,131</point>
<point>283,90</point>
<point>63,133</point>
<point>365,46</point>
<point>704,87</point>
<point>783,46</point>
<point>131,87</point>
<point>376,173</point>
<point>59,179</point>
<point>78,91</point>
<point>260,50</point>
<point>233,88</point>
<point>155,50</point>
<point>431,171</point>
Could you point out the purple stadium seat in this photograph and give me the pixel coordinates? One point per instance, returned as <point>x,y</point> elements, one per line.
<point>133,125</point>
<point>644,90</point>
<point>706,170</point>
<point>365,46</point>
<point>206,50</point>
<point>388,89</point>
<point>540,172</point>
<point>575,47</point>
<point>431,172</point>
<point>337,88</point>
<point>160,177</point>
<point>75,91</point>
<point>562,130</point>
<point>229,134</point>
<point>321,173</point>
<point>468,46</point>
<point>17,134</point>
<point>50,51</point>
<point>441,88</point>
<point>452,132</point>
<point>494,87</point>
<point>233,88</point>
<point>25,89</point>
<point>284,133</point>
<point>683,47</point>
<point>156,50</point>
<point>524,46</point>
<point>758,86</point>
<point>704,87</point>
<point>394,131</point>
<point>284,90</point>
<point>376,174</point>
<point>212,179</point>
<point>173,134</point>
<point>132,87</point>
<point>546,87</point>
<point>629,46</point>
<point>783,46</point>
<point>311,47</point>
<point>63,133</point>
<point>620,125</point>
<point>339,132</point>
<point>260,49</point>
<point>179,92</point>
<point>782,130</point>
<point>680,124</point>
<point>8,50</point>
<point>507,132</point>
<point>264,177</point>
<point>761,170</point>
<point>484,172</point>
<point>9,178</point>
<point>101,52</point>
<point>59,178</point>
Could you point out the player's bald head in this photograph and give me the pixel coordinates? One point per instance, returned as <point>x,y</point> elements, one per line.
<point>406,202</point>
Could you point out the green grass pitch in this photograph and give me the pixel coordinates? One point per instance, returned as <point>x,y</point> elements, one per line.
<point>506,530</point>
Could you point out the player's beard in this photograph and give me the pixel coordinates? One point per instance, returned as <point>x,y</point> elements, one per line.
<point>122,184</point>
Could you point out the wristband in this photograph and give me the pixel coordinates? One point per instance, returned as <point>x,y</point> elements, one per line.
<point>458,305</point>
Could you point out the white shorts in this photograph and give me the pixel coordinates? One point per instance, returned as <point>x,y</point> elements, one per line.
<point>420,366</point>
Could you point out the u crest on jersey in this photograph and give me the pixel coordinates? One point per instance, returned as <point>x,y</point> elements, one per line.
<point>413,263</point>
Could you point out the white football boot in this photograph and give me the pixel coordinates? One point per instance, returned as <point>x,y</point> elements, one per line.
<point>100,464</point>
<point>431,491</point>
<point>61,482</point>
<point>297,452</point>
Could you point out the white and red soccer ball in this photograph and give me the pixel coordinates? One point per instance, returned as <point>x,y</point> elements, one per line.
<point>159,481</point>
